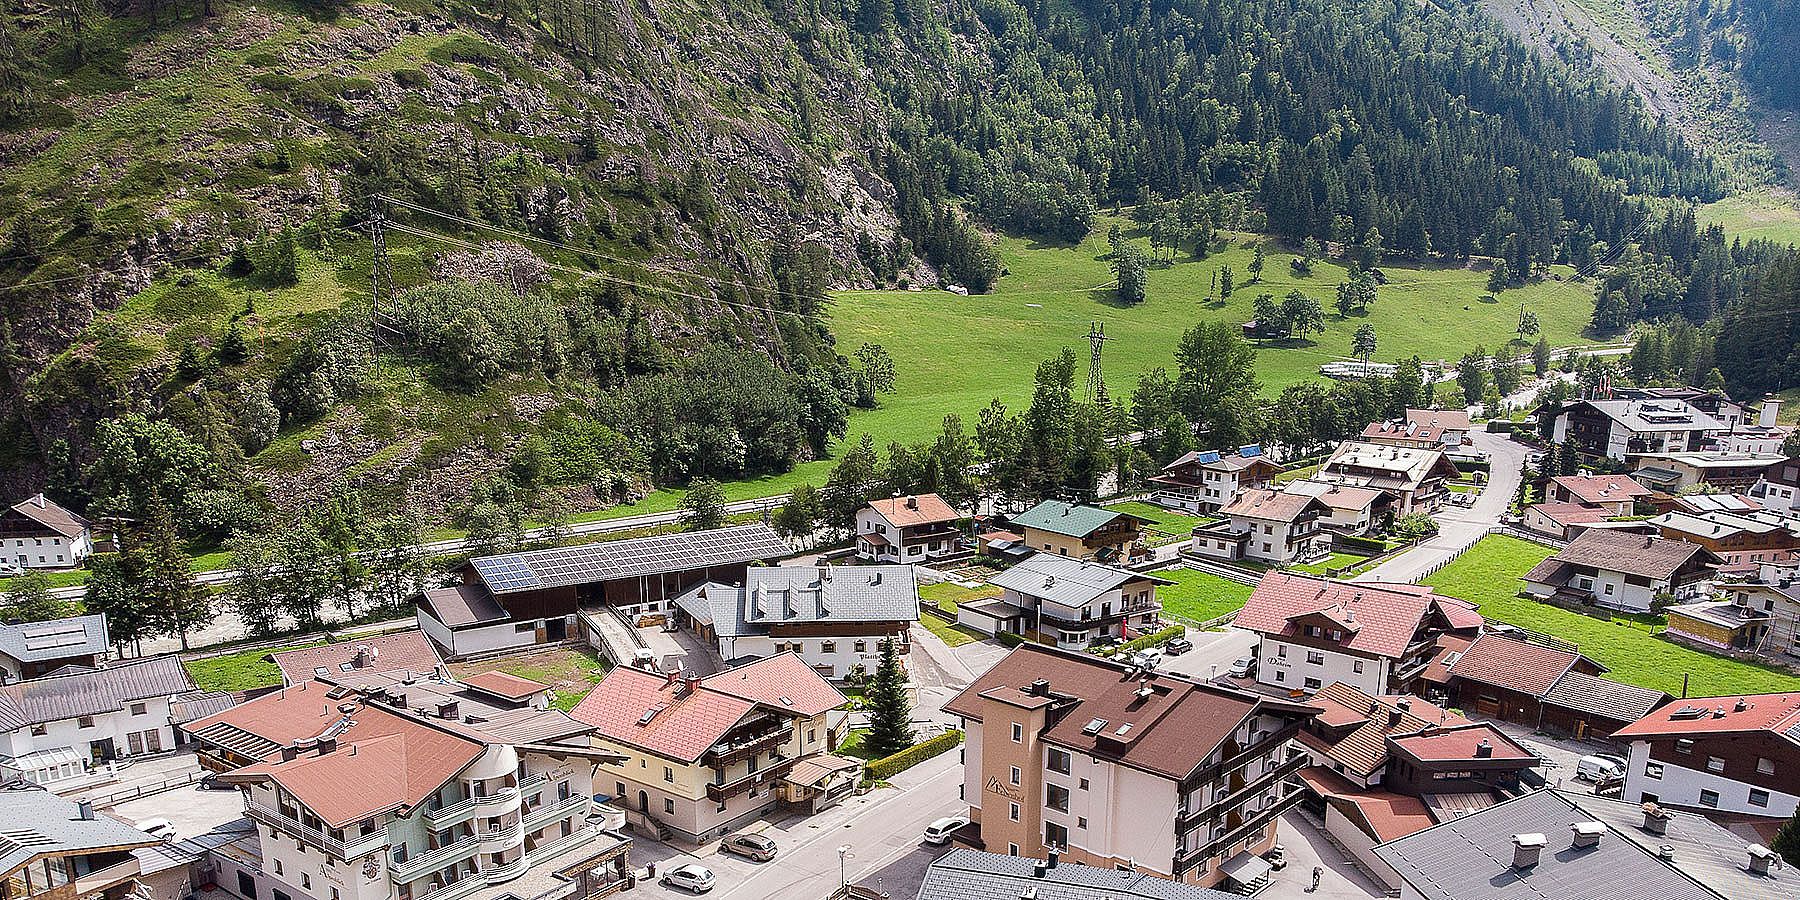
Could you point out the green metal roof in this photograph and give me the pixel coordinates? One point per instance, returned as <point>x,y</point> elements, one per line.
<point>1070,519</point>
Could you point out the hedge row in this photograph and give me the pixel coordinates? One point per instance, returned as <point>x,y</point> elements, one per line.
<point>888,766</point>
<point>1151,640</point>
<point>1373,546</point>
<point>1008,639</point>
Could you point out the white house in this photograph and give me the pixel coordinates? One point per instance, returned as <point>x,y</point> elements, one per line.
<point>1067,602</point>
<point>1415,476</point>
<point>39,534</point>
<point>835,618</point>
<point>1265,525</point>
<point>1778,487</point>
<point>1615,428</point>
<point>1736,754</point>
<point>912,529</point>
<point>35,649</point>
<point>91,716</point>
<point>1348,510</point>
<point>1622,571</point>
<point>1208,479</point>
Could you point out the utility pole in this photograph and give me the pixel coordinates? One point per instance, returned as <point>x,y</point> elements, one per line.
<point>381,279</point>
<point>1096,382</point>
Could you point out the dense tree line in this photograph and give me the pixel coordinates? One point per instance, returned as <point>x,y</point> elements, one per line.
<point>1758,37</point>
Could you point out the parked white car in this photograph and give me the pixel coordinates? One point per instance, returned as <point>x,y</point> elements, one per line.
<point>692,876</point>
<point>939,832</point>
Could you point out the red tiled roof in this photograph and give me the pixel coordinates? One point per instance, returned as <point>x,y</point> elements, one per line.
<point>1461,614</point>
<point>1601,488</point>
<point>502,684</point>
<point>1775,713</point>
<point>921,509</point>
<point>383,760</point>
<point>1451,419</point>
<point>1460,742</point>
<point>1169,732</point>
<point>1571,513</point>
<point>388,652</point>
<point>688,721</point>
<point>1364,750</point>
<point>1387,815</point>
<point>1386,617</point>
<point>1513,664</point>
<point>1438,672</point>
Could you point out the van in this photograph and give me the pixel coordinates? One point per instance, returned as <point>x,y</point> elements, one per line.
<point>1599,768</point>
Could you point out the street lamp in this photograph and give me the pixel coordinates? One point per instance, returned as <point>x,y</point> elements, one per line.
<point>843,854</point>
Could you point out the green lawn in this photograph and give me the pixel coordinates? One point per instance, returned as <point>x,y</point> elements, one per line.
<point>241,671</point>
<point>953,354</point>
<point>69,578</point>
<point>1201,596</point>
<point>1750,217</point>
<point>572,672</point>
<point>948,594</point>
<point>951,635</point>
<point>1489,575</point>
<point>1334,561</point>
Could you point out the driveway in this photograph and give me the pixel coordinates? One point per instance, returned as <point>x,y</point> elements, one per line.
<point>1213,653</point>
<point>192,811</point>
<point>1457,526</point>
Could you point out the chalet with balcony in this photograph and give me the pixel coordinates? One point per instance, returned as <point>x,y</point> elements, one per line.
<point>1349,510</point>
<point>1443,429</point>
<point>1734,754</point>
<point>1615,429</point>
<point>58,849</point>
<point>1742,540</point>
<point>1080,532</point>
<point>1117,767</point>
<point>1622,571</point>
<point>1615,495</point>
<point>1376,637</point>
<point>413,791</point>
<point>1068,603</point>
<point>1415,476</point>
<point>37,533</point>
<point>698,757</point>
<point>1267,526</point>
<point>834,617</point>
<point>1205,480</point>
<point>1707,470</point>
<point>914,529</point>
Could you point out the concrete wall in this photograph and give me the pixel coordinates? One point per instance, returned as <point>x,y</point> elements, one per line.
<point>1360,845</point>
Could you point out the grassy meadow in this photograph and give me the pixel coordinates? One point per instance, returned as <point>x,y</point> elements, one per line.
<point>1749,217</point>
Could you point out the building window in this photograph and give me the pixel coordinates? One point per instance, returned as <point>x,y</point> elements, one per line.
<point>668,804</point>
<point>862,646</point>
<point>1715,764</point>
<point>668,775</point>
<point>1083,785</point>
<point>1313,684</point>
<point>1765,765</point>
<point>1056,797</point>
<point>1759,797</point>
<point>1709,798</point>
<point>1280,674</point>
<point>1018,733</point>
<point>1357,667</point>
<point>1653,770</point>
<point>84,722</point>
<point>1012,849</point>
<point>1314,657</point>
<point>39,730</point>
<point>1684,745</point>
<point>278,867</point>
<point>1281,650</point>
<point>828,647</point>
<point>138,709</point>
<point>305,881</point>
<point>1013,773</point>
<point>1059,761</point>
<point>1012,811</point>
<point>1055,835</point>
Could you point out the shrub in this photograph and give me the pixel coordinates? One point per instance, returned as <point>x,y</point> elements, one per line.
<point>1152,640</point>
<point>891,765</point>
<point>1375,546</point>
<point>1008,639</point>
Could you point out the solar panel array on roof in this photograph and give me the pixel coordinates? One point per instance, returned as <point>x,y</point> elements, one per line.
<point>59,634</point>
<point>1209,456</point>
<point>564,566</point>
<point>1250,450</point>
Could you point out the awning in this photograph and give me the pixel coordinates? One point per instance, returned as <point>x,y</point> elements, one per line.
<point>42,759</point>
<point>1245,868</point>
<point>813,772</point>
<point>872,539</point>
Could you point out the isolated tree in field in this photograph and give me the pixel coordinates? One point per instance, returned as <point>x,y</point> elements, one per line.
<point>1540,357</point>
<point>1256,264</point>
<point>1362,344</point>
<point>1528,324</point>
<point>1499,277</point>
<point>1115,238</point>
<point>1303,314</point>
<point>1224,282</point>
<point>1157,239</point>
<point>874,375</point>
<point>28,599</point>
<point>1310,251</point>
<point>703,506</point>
<point>890,710</point>
<point>1133,274</point>
<point>1356,293</point>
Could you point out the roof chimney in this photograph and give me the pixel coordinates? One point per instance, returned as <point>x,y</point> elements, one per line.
<point>1656,821</point>
<point>446,708</point>
<point>1394,716</point>
<point>1526,848</point>
<point>1484,750</point>
<point>1039,868</point>
<point>1587,834</point>
<point>1741,705</point>
<point>1050,858</point>
<point>1040,688</point>
<point>912,503</point>
<point>1760,857</point>
<point>290,753</point>
<point>327,744</point>
<point>85,811</point>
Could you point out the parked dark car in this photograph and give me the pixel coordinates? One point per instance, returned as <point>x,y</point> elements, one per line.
<point>1178,646</point>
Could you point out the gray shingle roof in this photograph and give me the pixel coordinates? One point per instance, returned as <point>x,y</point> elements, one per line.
<point>55,639</point>
<point>1060,579</point>
<point>607,560</point>
<point>40,823</point>
<point>91,691</point>
<point>1071,519</point>
<point>1705,852</point>
<point>965,874</point>
<point>1470,858</point>
<point>785,594</point>
<point>1604,697</point>
<point>1656,415</point>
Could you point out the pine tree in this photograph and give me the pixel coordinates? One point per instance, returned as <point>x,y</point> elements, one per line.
<point>177,605</point>
<point>1787,840</point>
<point>890,710</point>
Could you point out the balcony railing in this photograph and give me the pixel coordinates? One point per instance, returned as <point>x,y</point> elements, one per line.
<point>1212,811</point>
<point>1261,818</point>
<point>507,872</point>
<point>550,812</point>
<point>726,753</point>
<point>461,887</point>
<point>431,860</point>
<point>1269,743</point>
<point>342,848</point>
<point>101,879</point>
<point>577,838</point>
<point>468,807</point>
<point>499,839</point>
<point>719,793</point>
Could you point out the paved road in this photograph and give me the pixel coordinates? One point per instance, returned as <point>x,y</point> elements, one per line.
<point>1213,653</point>
<point>1457,525</point>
